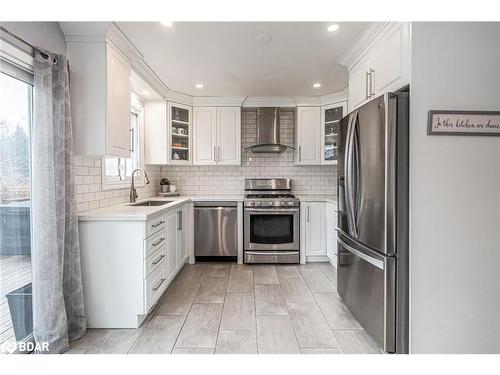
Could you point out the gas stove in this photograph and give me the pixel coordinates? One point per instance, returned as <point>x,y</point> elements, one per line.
<point>271,221</point>
<point>269,193</point>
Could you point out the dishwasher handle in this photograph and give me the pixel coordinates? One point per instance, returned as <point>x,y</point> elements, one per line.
<point>215,204</point>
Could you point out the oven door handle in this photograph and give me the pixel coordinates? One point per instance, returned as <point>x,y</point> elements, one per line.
<point>271,252</point>
<point>271,211</point>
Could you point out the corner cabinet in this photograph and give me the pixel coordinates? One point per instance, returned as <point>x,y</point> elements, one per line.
<point>383,66</point>
<point>100,99</point>
<point>216,135</point>
<point>316,134</point>
<point>168,133</point>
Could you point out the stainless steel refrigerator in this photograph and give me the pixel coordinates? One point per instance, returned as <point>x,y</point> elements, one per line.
<point>372,265</point>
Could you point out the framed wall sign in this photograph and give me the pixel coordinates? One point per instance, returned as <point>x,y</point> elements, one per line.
<point>463,123</point>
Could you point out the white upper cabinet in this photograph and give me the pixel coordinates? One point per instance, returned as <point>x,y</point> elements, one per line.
<point>330,119</point>
<point>390,60</point>
<point>381,63</point>
<point>205,135</point>
<point>359,83</point>
<point>308,130</point>
<point>217,135</point>
<point>100,93</point>
<point>155,132</point>
<point>229,135</point>
<point>179,130</point>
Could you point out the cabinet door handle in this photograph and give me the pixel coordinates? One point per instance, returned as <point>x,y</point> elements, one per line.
<point>157,224</point>
<point>367,84</point>
<point>308,214</point>
<point>132,140</point>
<point>158,242</point>
<point>219,154</point>
<point>215,153</point>
<point>300,153</point>
<point>372,84</point>
<point>179,220</point>
<point>158,260</point>
<point>159,284</point>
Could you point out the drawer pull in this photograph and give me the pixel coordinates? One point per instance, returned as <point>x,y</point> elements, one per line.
<point>157,224</point>
<point>159,284</point>
<point>158,242</point>
<point>158,260</point>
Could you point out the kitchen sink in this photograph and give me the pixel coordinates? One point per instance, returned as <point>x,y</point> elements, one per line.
<point>150,203</point>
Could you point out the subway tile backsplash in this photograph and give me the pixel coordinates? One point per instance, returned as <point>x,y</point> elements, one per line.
<point>89,190</point>
<point>212,180</point>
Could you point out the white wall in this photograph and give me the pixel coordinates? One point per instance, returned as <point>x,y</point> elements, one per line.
<point>46,35</point>
<point>455,193</point>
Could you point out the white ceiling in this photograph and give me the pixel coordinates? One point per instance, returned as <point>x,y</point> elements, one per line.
<point>229,61</point>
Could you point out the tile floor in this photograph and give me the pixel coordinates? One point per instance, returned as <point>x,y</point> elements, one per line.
<point>234,309</point>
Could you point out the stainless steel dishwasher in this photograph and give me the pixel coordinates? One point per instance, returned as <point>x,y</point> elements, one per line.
<point>216,229</point>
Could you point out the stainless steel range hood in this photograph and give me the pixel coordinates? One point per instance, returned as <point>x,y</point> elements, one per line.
<point>268,131</point>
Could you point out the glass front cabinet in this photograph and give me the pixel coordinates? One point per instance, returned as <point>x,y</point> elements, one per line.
<point>179,120</point>
<point>330,118</point>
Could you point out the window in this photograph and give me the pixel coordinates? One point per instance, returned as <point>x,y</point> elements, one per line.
<point>16,319</point>
<point>117,172</point>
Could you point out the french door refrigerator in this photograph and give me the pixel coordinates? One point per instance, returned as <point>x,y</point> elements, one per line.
<point>372,263</point>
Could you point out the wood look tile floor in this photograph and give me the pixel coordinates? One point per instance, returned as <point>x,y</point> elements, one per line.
<point>226,308</point>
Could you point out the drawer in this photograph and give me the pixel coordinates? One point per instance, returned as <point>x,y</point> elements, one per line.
<point>155,285</point>
<point>154,225</point>
<point>154,260</point>
<point>154,242</point>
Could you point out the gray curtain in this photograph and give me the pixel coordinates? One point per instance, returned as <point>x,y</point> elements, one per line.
<point>58,314</point>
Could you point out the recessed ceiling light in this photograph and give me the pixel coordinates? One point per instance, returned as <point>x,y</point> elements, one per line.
<point>167,23</point>
<point>333,28</point>
<point>317,85</point>
<point>199,86</point>
<point>146,93</point>
<point>264,39</point>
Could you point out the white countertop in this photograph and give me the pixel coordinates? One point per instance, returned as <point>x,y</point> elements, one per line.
<point>128,212</point>
<point>318,198</point>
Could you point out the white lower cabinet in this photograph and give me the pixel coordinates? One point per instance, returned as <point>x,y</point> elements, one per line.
<point>127,265</point>
<point>318,235</point>
<point>331,233</point>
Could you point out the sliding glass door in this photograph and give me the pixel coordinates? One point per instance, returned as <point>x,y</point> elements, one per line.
<point>15,204</point>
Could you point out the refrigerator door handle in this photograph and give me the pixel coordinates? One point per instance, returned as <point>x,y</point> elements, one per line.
<point>356,166</point>
<point>348,170</point>
<point>377,263</point>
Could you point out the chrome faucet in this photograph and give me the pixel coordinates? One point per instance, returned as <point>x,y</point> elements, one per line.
<point>133,192</point>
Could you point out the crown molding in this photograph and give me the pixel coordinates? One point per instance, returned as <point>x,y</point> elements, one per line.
<point>364,43</point>
<point>335,97</point>
<point>269,101</point>
<point>218,101</point>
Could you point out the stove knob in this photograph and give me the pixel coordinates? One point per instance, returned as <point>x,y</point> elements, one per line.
<point>282,203</point>
<point>258,203</point>
<point>290,203</point>
<point>269,203</point>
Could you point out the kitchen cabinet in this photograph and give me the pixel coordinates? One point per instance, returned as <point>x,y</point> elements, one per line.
<point>179,130</point>
<point>330,118</point>
<point>155,132</point>
<point>100,99</point>
<point>167,132</point>
<point>383,66</point>
<point>308,136</point>
<point>217,135</point>
<point>313,215</point>
<point>128,264</point>
<point>331,233</point>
